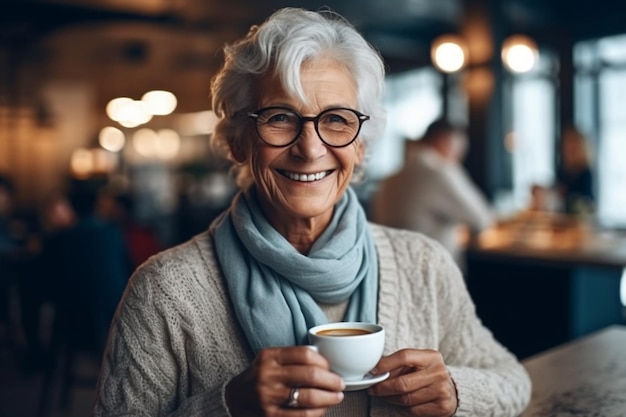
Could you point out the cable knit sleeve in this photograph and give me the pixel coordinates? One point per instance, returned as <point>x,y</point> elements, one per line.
<point>490,380</point>
<point>168,353</point>
<point>425,304</point>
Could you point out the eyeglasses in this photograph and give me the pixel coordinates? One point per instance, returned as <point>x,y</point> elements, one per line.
<point>280,126</point>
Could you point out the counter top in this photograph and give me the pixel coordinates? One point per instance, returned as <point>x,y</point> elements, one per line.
<point>586,377</point>
<point>550,238</point>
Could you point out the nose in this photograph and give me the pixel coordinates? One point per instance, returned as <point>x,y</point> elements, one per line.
<point>309,146</point>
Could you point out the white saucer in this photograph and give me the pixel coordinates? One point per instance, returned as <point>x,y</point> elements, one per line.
<point>367,381</point>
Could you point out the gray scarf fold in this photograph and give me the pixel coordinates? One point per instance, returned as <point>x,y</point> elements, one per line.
<point>274,287</point>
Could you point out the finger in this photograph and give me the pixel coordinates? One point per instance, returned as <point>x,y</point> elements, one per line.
<point>412,358</point>
<point>281,369</point>
<point>432,393</point>
<point>311,377</point>
<point>437,399</point>
<point>276,383</point>
<point>411,381</point>
<point>312,398</point>
<point>274,363</point>
<point>298,355</point>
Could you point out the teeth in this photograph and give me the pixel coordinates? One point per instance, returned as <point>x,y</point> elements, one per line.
<point>305,178</point>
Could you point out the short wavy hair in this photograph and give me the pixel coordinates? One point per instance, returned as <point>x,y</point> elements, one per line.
<point>282,44</point>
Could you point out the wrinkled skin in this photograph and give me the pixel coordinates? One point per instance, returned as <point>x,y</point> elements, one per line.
<point>419,380</point>
<point>300,211</point>
<point>263,389</point>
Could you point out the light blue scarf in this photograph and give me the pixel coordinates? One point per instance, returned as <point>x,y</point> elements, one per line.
<point>274,287</point>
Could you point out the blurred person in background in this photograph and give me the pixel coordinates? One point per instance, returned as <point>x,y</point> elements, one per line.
<point>88,265</point>
<point>432,193</point>
<point>141,241</point>
<point>39,285</point>
<point>217,326</point>
<point>16,248</point>
<point>8,249</point>
<point>7,202</point>
<point>574,179</point>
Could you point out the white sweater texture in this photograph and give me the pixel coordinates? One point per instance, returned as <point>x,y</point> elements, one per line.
<point>174,343</point>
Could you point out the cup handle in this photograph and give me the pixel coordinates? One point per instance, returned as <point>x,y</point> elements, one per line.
<point>313,348</point>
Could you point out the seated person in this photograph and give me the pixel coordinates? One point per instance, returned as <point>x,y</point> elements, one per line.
<point>216,326</point>
<point>432,193</point>
<point>574,175</point>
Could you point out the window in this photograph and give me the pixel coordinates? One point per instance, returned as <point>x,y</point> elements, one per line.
<point>412,100</point>
<point>531,138</point>
<point>600,90</point>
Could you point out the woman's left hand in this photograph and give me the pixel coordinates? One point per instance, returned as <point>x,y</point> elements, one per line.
<point>419,381</point>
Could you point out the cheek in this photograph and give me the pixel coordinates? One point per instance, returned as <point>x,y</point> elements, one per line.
<point>260,160</point>
<point>360,152</point>
<point>354,155</point>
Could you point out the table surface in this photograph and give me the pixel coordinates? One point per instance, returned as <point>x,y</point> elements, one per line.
<point>551,238</point>
<point>586,377</point>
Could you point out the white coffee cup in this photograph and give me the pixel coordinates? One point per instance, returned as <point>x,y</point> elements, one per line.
<point>351,348</point>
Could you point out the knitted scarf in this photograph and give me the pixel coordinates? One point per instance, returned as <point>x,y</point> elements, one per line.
<point>275,289</point>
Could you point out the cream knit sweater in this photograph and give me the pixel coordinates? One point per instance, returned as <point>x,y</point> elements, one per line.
<point>173,344</point>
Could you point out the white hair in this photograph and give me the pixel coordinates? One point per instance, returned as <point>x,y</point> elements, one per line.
<point>282,44</point>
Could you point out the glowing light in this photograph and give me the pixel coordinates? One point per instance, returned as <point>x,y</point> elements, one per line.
<point>448,53</point>
<point>167,144</point>
<point>160,102</point>
<point>81,163</point>
<point>115,108</point>
<point>128,112</point>
<point>144,142</point>
<point>519,53</point>
<point>112,139</point>
<point>134,114</point>
<point>199,123</point>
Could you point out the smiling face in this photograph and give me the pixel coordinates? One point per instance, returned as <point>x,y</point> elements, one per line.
<point>299,185</point>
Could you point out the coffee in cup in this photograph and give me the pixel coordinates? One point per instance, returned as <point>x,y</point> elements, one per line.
<point>351,348</point>
<point>343,332</point>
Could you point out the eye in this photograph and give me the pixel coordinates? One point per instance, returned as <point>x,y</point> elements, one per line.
<point>338,118</point>
<point>277,117</point>
<point>334,117</point>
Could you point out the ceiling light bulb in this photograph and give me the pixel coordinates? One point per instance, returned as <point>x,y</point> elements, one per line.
<point>115,108</point>
<point>448,53</point>
<point>160,102</point>
<point>519,53</point>
<point>112,139</point>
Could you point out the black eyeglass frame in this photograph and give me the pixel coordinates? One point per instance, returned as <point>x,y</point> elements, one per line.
<point>303,119</point>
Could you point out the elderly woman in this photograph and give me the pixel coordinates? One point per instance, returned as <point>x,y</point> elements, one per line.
<point>215,327</point>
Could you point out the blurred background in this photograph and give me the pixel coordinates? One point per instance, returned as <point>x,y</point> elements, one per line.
<point>62,62</point>
<point>112,96</point>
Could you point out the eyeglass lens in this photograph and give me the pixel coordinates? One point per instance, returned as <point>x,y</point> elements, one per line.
<point>336,127</point>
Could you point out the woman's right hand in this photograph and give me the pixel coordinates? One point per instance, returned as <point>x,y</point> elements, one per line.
<point>265,388</point>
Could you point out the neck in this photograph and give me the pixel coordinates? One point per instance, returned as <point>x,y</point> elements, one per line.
<point>300,232</point>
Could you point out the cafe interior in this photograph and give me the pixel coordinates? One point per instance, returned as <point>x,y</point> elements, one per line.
<point>115,94</point>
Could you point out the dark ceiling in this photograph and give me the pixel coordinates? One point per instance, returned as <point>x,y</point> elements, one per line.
<point>125,47</point>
